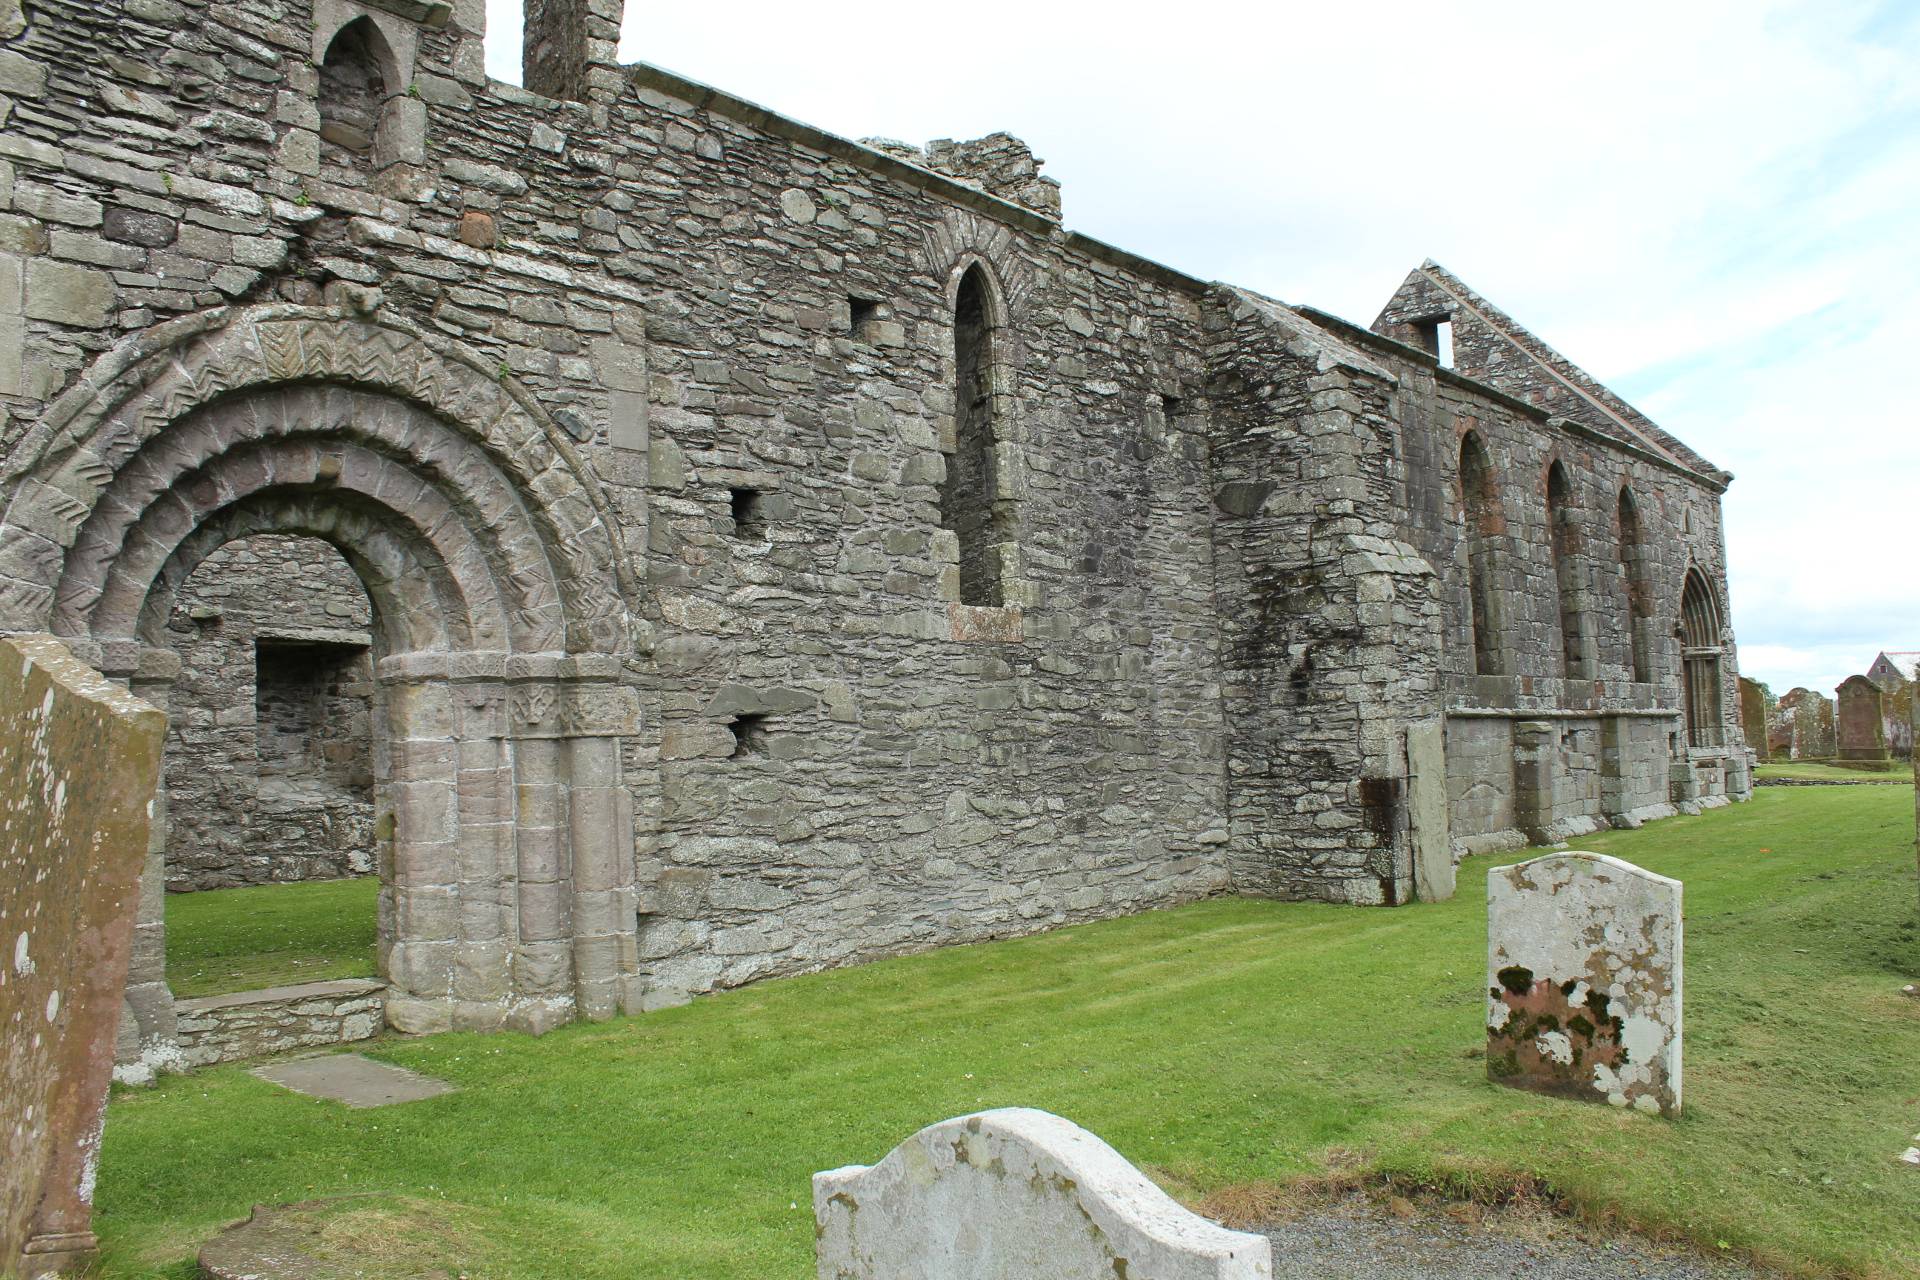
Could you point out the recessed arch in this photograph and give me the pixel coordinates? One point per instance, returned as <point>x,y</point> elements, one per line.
<point>976,505</point>
<point>1700,637</point>
<point>357,74</point>
<point>1563,530</point>
<point>504,607</point>
<point>1480,513</point>
<point>1630,538</point>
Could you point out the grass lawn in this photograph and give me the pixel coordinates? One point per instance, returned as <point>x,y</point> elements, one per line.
<point>1815,771</point>
<point>1223,1044</point>
<point>271,935</point>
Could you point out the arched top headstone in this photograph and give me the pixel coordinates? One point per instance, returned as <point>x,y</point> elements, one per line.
<point>1016,1192</point>
<point>1584,980</point>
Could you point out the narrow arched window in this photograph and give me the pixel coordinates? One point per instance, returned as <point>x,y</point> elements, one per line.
<point>1480,511</point>
<point>353,92</point>
<point>970,502</point>
<point>1564,532</point>
<point>1700,661</point>
<point>1633,581</point>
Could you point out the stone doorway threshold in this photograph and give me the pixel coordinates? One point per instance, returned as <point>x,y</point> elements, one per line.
<point>1355,1235</point>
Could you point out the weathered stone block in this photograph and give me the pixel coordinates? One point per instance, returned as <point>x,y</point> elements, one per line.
<point>1584,980</point>
<point>1015,1192</point>
<point>79,762</point>
<point>68,294</point>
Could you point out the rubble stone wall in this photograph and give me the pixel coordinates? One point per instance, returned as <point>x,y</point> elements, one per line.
<point>1616,744</point>
<point>723,345</point>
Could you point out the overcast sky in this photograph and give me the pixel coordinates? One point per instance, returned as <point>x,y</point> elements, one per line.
<point>1711,205</point>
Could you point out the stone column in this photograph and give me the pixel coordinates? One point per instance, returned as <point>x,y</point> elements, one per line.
<point>149,1030</point>
<point>420,877</point>
<point>543,951</point>
<point>577,952</point>
<point>485,870</point>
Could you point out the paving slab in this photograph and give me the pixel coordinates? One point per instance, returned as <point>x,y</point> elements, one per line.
<point>353,1079</point>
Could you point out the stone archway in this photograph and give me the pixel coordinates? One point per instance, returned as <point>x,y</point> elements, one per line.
<point>505,605</point>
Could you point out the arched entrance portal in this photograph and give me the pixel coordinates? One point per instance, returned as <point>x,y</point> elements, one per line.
<point>502,600</point>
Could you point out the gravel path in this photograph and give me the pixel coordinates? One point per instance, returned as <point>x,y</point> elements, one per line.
<point>1356,1238</point>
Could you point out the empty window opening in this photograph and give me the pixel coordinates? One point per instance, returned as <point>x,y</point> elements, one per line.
<point>1633,581</point>
<point>311,728</point>
<point>969,505</point>
<point>1434,335</point>
<point>1480,512</point>
<point>750,735</point>
<point>353,92</point>
<point>1172,407</point>
<point>1564,531</point>
<point>863,317</point>
<point>749,508</point>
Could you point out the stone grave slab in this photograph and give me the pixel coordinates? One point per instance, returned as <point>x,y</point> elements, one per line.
<point>357,1081</point>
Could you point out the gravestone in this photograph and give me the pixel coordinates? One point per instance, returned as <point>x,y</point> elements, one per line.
<point>79,761</point>
<point>1583,980</point>
<point>1433,878</point>
<point>1015,1192</point>
<point>1859,720</point>
<point>1754,700</point>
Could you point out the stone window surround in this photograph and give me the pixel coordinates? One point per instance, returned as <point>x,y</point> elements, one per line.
<point>1004,622</point>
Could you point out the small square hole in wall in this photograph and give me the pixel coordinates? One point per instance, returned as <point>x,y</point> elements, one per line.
<point>749,508</point>
<point>1173,407</point>
<point>862,315</point>
<point>749,736</point>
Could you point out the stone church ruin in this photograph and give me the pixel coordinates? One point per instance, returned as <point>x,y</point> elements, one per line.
<point>675,546</point>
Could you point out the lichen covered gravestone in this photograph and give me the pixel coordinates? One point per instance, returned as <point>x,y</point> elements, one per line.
<point>79,761</point>
<point>1583,980</point>
<point>1016,1193</point>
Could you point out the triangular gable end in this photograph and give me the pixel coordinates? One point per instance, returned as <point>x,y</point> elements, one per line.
<point>1490,346</point>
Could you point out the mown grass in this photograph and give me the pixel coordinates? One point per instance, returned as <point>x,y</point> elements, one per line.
<point>1223,1044</point>
<point>221,940</point>
<point>1819,771</point>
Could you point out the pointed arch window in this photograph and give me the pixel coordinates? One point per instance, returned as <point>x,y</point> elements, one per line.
<point>1700,651</point>
<point>972,501</point>
<point>1480,509</point>
<point>1634,582</point>
<point>1576,647</point>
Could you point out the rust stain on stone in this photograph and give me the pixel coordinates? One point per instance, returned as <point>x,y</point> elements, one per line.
<point>1554,1036</point>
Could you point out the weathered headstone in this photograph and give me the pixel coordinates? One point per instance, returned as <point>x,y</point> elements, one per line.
<point>1754,705</point>
<point>1015,1193</point>
<point>79,761</point>
<point>1859,720</point>
<point>1583,980</point>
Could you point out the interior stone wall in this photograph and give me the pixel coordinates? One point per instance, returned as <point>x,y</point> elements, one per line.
<point>288,795</point>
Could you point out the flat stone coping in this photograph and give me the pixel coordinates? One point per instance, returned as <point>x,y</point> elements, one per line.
<point>338,989</point>
<point>350,1078</point>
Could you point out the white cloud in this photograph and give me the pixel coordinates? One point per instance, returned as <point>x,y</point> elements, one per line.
<point>1708,204</point>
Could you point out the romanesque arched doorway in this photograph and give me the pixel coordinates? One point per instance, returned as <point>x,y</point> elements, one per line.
<point>502,603</point>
